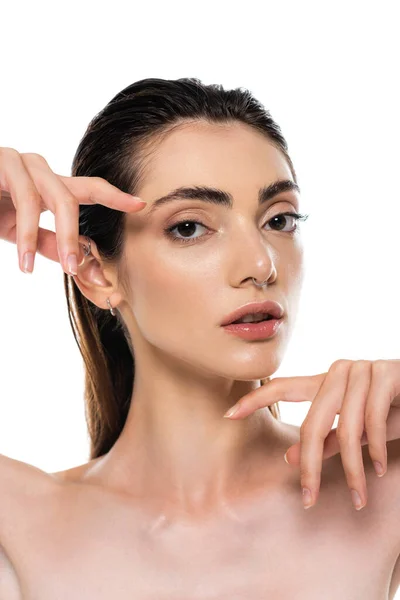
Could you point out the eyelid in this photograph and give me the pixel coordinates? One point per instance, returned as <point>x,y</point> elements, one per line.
<point>183,215</point>
<point>262,210</point>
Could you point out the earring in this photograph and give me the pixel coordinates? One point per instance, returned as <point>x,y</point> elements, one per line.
<point>87,249</point>
<point>112,311</point>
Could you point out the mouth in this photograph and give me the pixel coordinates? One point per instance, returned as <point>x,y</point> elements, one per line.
<point>256,318</point>
<point>255,312</point>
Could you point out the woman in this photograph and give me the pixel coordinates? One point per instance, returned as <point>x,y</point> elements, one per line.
<point>176,501</point>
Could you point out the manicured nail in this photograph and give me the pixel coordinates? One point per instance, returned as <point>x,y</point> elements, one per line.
<point>307,499</point>
<point>355,496</point>
<point>27,263</point>
<point>72,263</point>
<point>378,468</point>
<point>231,411</point>
<point>139,201</point>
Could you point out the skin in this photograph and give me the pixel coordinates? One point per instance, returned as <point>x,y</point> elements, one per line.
<point>176,447</point>
<point>185,492</point>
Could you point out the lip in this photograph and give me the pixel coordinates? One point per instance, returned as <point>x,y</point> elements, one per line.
<point>255,331</point>
<point>268,306</point>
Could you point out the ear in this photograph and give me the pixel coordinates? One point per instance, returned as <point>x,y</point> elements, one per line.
<point>96,279</point>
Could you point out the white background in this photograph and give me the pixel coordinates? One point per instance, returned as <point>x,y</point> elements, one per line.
<point>328,72</point>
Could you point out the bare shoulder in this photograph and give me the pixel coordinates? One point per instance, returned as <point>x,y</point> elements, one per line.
<point>17,476</point>
<point>381,514</point>
<point>383,493</point>
<point>24,490</point>
<point>388,490</point>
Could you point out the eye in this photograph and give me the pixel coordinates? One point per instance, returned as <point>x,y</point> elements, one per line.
<point>190,226</point>
<point>276,220</point>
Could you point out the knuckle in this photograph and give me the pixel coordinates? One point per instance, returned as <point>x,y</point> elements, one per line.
<point>353,474</point>
<point>31,197</point>
<point>380,366</point>
<point>60,203</point>
<point>98,182</point>
<point>340,364</point>
<point>67,201</point>
<point>370,420</point>
<point>96,186</point>
<point>308,430</point>
<point>377,443</point>
<point>68,246</point>
<point>305,474</point>
<point>343,433</point>
<point>5,151</point>
<point>29,240</point>
<point>360,365</point>
<point>34,158</point>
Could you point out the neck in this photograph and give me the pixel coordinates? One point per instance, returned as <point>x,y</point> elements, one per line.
<point>176,448</point>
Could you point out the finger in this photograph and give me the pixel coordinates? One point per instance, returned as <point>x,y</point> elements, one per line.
<point>332,447</point>
<point>96,190</point>
<point>46,242</point>
<point>377,410</point>
<point>16,180</point>
<point>280,389</point>
<point>317,426</point>
<point>350,430</point>
<point>62,204</point>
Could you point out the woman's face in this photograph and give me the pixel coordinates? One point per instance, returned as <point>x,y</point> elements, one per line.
<point>181,291</point>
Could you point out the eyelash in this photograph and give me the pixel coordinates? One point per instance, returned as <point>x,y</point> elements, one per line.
<point>168,231</point>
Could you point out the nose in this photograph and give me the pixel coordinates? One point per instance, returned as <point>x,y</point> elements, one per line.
<point>258,267</point>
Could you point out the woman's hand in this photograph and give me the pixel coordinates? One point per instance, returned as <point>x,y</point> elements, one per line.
<point>366,395</point>
<point>28,187</point>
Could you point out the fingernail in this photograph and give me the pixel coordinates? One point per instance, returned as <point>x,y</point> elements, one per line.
<point>307,499</point>
<point>231,411</point>
<point>72,263</point>
<point>285,457</point>
<point>355,496</point>
<point>27,263</point>
<point>378,468</point>
<point>139,201</point>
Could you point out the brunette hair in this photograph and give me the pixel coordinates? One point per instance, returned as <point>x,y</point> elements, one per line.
<point>117,147</point>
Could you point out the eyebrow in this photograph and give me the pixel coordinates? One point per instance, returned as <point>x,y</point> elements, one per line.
<point>221,197</point>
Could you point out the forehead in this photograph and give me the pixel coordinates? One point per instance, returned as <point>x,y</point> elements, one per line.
<point>233,156</point>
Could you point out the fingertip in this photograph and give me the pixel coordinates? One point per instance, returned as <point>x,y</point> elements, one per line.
<point>138,204</point>
<point>232,411</point>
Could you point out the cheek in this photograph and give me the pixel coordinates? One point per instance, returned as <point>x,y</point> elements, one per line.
<point>174,296</point>
<point>295,272</point>
<point>292,284</point>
